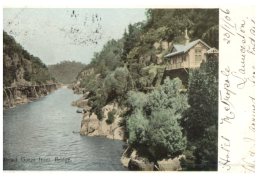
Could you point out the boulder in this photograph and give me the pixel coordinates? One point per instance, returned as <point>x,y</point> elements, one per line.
<point>81,103</point>
<point>92,126</point>
<point>89,125</point>
<point>118,133</point>
<point>132,161</point>
<point>172,164</point>
<point>140,165</point>
<point>125,158</point>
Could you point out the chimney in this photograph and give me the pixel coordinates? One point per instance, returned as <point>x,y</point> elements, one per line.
<point>187,39</point>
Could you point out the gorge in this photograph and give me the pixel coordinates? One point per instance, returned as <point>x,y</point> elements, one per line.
<point>128,108</point>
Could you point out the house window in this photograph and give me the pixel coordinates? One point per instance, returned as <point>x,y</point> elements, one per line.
<point>198,55</point>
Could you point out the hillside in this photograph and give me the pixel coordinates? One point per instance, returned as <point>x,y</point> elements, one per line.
<point>163,117</point>
<point>20,67</point>
<point>66,71</point>
<point>143,45</point>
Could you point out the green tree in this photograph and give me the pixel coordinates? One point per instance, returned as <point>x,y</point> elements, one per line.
<point>168,96</point>
<point>117,83</point>
<point>165,135</point>
<point>131,38</point>
<point>66,71</point>
<point>136,100</point>
<point>197,21</point>
<point>153,124</point>
<point>201,118</point>
<point>15,57</point>
<point>137,126</point>
<point>111,116</point>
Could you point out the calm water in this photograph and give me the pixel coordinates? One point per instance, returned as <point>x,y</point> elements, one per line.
<point>39,136</point>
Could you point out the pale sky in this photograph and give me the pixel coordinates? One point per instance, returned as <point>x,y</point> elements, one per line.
<point>55,35</point>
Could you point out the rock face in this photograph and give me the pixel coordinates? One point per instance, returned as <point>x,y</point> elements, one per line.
<point>131,160</point>
<point>19,95</point>
<point>82,103</point>
<point>92,126</point>
<point>140,165</point>
<point>170,164</point>
<point>135,162</point>
<point>22,71</point>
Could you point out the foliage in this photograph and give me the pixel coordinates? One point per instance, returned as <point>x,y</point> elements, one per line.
<point>211,36</point>
<point>153,124</point>
<point>117,83</point>
<point>109,58</point>
<point>137,125</point>
<point>206,152</point>
<point>113,87</point>
<point>66,71</point>
<point>92,83</point>
<point>175,21</point>
<point>131,38</point>
<point>97,102</point>
<point>165,135</point>
<point>111,116</point>
<point>161,121</point>
<point>16,58</point>
<point>200,120</point>
<point>136,100</point>
<point>166,25</point>
<point>168,96</point>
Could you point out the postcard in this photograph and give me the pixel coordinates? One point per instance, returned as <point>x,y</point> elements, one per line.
<point>129,89</point>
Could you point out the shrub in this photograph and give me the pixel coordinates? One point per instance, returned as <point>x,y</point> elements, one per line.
<point>165,135</point>
<point>137,126</point>
<point>136,100</point>
<point>200,120</point>
<point>111,116</point>
<point>153,124</point>
<point>117,83</point>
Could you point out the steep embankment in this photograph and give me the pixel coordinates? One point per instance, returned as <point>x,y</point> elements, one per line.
<point>66,71</point>
<point>25,76</point>
<point>110,126</point>
<point>131,72</point>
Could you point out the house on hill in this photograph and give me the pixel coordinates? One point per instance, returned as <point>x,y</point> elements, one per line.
<point>186,56</point>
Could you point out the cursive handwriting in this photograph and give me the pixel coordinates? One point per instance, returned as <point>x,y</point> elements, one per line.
<point>225,98</point>
<point>251,46</point>
<point>241,34</point>
<point>247,47</point>
<point>248,161</point>
<point>236,91</point>
<point>252,124</point>
<point>241,80</point>
<point>224,159</point>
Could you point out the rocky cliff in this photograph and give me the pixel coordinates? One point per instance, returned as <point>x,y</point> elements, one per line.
<point>20,67</point>
<point>92,126</point>
<point>136,162</point>
<point>25,77</point>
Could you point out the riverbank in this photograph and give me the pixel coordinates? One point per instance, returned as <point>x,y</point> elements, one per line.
<point>132,159</point>
<point>135,161</point>
<point>110,124</point>
<point>17,95</point>
<point>41,135</point>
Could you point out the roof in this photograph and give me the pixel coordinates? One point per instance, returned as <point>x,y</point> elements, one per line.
<point>184,48</point>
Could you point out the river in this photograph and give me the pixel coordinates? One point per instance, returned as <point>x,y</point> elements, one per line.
<point>41,136</point>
